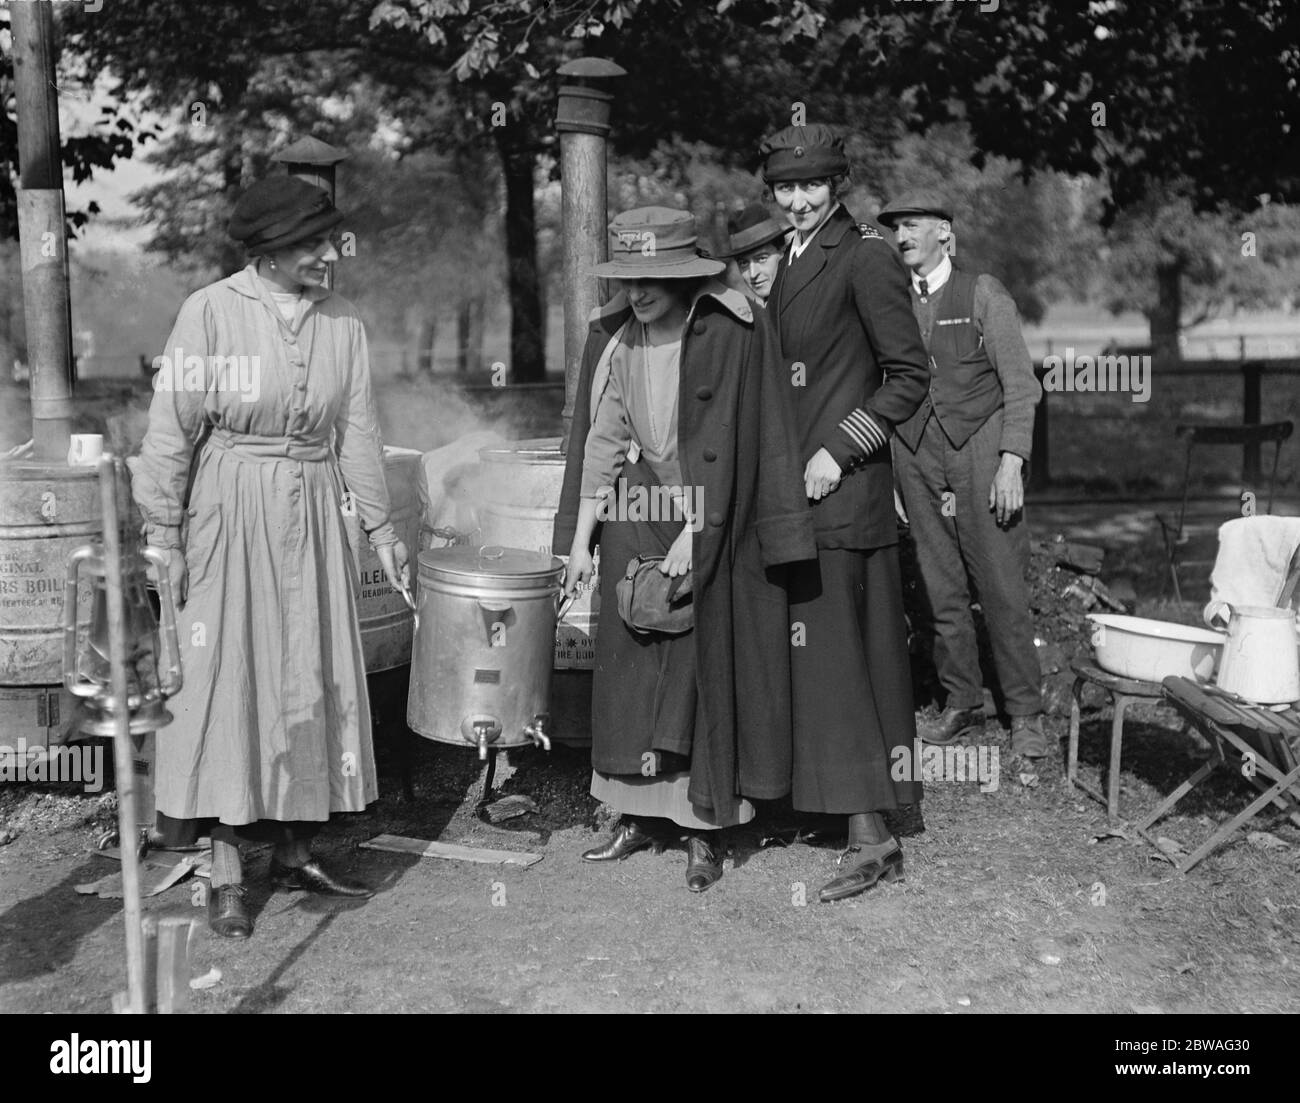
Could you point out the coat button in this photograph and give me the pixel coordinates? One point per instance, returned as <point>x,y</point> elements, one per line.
<point>704,394</point>
<point>300,385</point>
<point>192,512</point>
<point>698,328</point>
<point>296,474</point>
<point>716,520</point>
<point>710,455</point>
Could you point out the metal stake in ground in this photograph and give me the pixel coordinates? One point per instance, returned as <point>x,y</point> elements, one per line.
<point>123,764</point>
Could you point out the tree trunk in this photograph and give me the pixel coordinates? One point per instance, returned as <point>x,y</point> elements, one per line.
<point>463,322</point>
<point>424,355</point>
<point>1166,318</point>
<point>477,316</point>
<point>8,354</point>
<point>233,255</point>
<point>12,346</point>
<point>469,335</point>
<point>543,311</point>
<point>527,355</point>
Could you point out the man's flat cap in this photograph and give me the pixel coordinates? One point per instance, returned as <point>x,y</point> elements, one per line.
<point>915,203</point>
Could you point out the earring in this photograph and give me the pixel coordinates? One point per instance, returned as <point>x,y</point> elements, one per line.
<point>271,263</point>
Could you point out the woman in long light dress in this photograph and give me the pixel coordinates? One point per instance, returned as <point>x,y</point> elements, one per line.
<point>262,411</point>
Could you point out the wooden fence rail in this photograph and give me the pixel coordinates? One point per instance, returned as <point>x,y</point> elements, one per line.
<point>1252,373</point>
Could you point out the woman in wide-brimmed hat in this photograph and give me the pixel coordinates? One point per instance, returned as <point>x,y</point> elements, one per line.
<point>676,406</point>
<point>843,313</point>
<point>262,411</point>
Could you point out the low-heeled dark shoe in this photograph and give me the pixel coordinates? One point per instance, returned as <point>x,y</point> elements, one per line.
<point>703,863</point>
<point>629,837</point>
<point>950,726</point>
<point>863,876</point>
<point>313,878</point>
<point>228,913</point>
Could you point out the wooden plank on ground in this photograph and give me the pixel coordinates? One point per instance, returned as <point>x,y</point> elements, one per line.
<point>424,848</point>
<point>172,972</point>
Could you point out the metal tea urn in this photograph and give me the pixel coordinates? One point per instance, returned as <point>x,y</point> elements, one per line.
<point>484,647</point>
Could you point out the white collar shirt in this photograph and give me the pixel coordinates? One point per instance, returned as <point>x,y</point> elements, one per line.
<point>936,279</point>
<point>797,248</point>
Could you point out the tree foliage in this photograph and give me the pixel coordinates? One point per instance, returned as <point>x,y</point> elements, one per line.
<point>1195,96</point>
<point>113,136</point>
<point>1225,261</point>
<point>448,106</point>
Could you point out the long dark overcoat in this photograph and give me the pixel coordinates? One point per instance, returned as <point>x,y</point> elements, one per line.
<point>879,364</point>
<point>736,443</point>
<point>844,319</point>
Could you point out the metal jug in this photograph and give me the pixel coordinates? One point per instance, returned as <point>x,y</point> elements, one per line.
<point>1260,661</point>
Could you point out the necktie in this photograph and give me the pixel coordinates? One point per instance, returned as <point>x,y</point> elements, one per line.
<point>924,289</point>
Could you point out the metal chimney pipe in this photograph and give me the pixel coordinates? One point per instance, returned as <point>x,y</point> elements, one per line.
<point>582,119</point>
<point>314,161</point>
<point>42,230</point>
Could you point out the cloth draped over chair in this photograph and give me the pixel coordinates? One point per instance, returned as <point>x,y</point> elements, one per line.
<point>1254,558</point>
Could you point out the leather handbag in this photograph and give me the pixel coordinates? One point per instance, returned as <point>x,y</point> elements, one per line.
<point>650,601</point>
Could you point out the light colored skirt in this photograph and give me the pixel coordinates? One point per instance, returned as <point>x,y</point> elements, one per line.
<point>273,721</point>
<point>664,796</point>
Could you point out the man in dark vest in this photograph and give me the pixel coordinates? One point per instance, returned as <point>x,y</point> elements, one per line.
<point>960,462</point>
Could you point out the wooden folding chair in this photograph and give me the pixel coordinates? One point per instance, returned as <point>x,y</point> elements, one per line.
<point>1175,529</point>
<point>1261,745</point>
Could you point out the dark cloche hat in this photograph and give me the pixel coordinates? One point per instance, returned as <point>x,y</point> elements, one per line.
<point>915,203</point>
<point>751,228</point>
<point>280,211</point>
<point>654,243</point>
<point>803,153</point>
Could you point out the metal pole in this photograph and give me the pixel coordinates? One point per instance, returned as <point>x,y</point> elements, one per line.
<point>123,763</point>
<point>41,230</point>
<point>582,168</point>
<point>582,119</point>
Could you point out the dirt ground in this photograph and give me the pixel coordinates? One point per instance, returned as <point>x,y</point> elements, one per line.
<point>1011,903</point>
<point>1008,906</point>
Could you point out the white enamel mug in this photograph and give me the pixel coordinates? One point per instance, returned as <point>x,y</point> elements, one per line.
<point>85,449</point>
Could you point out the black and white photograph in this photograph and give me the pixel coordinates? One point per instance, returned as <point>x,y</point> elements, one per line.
<point>765,507</point>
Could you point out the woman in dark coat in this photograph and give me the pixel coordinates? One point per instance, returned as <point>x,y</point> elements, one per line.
<point>844,318</point>
<point>676,395</point>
